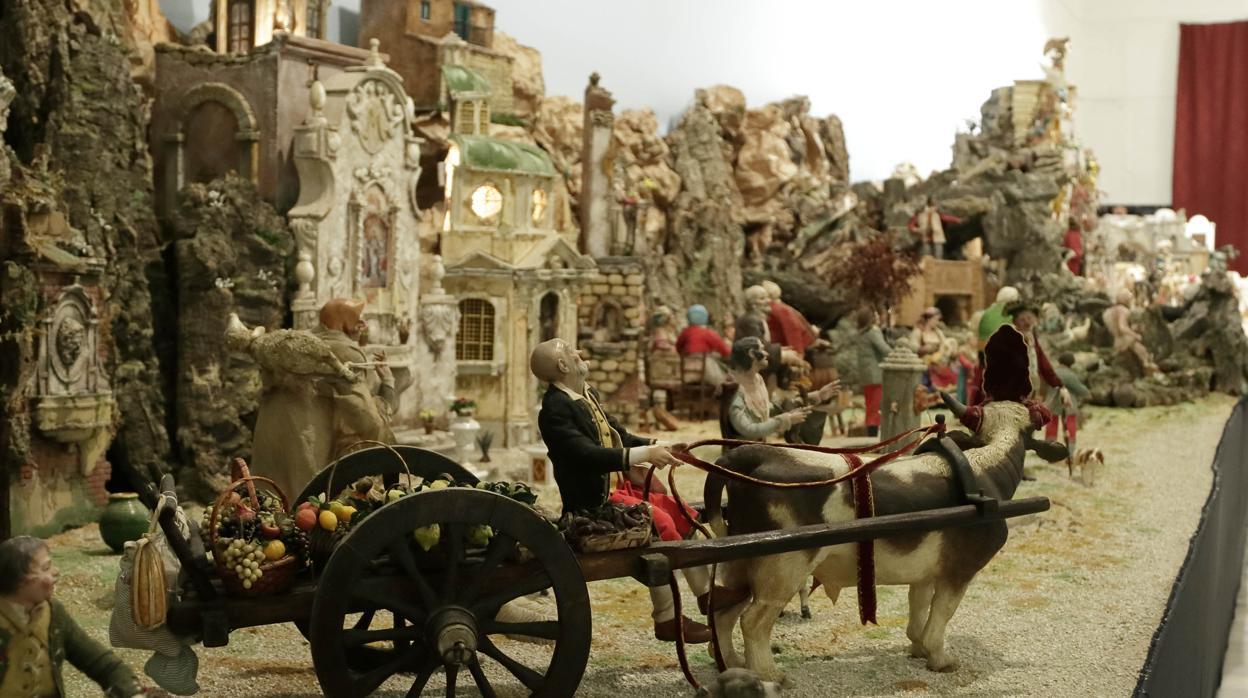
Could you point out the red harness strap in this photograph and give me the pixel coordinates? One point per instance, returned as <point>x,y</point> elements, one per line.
<point>864,507</point>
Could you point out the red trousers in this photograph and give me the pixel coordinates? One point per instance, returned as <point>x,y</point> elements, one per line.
<point>1072,427</point>
<point>668,521</point>
<point>872,396</point>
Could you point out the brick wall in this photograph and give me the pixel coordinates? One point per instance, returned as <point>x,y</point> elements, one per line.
<point>615,360</point>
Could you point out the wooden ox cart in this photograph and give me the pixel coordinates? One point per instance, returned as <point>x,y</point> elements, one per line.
<point>383,607</point>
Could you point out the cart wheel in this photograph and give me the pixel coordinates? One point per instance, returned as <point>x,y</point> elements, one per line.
<point>445,601</point>
<point>367,462</point>
<point>380,461</point>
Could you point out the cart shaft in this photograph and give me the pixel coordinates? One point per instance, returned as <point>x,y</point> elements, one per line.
<point>651,565</point>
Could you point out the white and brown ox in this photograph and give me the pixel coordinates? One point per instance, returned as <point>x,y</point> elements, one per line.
<point>937,565</point>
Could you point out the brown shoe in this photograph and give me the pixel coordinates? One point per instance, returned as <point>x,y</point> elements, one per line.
<point>725,598</point>
<point>695,632</point>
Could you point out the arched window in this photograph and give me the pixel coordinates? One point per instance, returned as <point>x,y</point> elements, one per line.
<point>241,26</point>
<point>475,341</point>
<point>539,207</point>
<point>548,316</point>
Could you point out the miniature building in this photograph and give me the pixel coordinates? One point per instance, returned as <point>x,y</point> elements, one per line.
<point>957,287</point>
<point>514,273</point>
<point>241,25</point>
<point>217,113</point>
<point>423,36</point>
<point>356,220</point>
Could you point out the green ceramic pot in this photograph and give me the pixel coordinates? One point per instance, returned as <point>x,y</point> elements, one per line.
<point>124,519</point>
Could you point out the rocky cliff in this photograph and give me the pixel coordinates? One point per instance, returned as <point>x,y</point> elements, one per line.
<point>78,147</point>
<point>231,251</point>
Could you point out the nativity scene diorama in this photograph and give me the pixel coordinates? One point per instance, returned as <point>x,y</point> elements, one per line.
<point>372,360</point>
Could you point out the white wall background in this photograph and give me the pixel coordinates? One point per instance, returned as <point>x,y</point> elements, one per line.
<point>903,75</point>
<point>1126,64</point>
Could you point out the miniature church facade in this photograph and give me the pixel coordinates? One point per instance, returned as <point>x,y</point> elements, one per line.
<point>515,274</point>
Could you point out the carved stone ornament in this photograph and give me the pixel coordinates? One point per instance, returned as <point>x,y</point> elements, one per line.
<point>74,404</point>
<point>70,338</point>
<point>376,113</point>
<point>437,322</point>
<point>70,335</point>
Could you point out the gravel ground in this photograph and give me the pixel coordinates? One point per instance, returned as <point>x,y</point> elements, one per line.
<point>1067,608</point>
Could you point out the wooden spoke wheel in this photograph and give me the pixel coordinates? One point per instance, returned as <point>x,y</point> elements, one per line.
<point>378,461</point>
<point>365,462</point>
<point>445,601</point>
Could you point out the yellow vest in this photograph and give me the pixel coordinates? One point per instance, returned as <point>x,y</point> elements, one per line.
<point>25,663</point>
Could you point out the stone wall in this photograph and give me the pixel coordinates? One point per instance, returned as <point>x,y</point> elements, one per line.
<point>613,350</point>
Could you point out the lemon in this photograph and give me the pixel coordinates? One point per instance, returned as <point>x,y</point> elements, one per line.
<point>275,550</point>
<point>346,514</point>
<point>329,521</point>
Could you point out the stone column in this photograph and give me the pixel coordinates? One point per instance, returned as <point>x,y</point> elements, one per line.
<point>902,371</point>
<point>595,170</point>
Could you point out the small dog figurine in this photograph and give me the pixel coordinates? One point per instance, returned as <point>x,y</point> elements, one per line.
<point>1089,460</point>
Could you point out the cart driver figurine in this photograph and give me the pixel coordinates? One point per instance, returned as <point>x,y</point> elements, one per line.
<point>586,445</point>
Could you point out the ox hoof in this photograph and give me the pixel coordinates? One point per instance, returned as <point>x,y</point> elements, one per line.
<point>806,615</point>
<point>942,663</point>
<point>917,651</point>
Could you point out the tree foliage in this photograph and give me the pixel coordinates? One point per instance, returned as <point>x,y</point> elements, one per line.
<point>877,271</point>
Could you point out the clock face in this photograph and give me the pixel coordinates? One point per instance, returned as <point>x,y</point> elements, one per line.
<point>487,202</point>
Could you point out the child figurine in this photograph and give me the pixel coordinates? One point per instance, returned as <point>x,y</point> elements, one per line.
<point>1067,413</point>
<point>37,634</point>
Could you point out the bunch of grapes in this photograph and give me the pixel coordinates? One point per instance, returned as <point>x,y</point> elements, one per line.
<point>245,559</point>
<point>296,542</point>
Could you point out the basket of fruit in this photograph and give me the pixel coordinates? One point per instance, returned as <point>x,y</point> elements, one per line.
<point>246,532</point>
<point>326,519</point>
<point>609,527</point>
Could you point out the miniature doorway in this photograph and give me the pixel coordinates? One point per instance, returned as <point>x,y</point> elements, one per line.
<point>607,321</point>
<point>548,317</point>
<point>954,310</point>
<point>212,130</point>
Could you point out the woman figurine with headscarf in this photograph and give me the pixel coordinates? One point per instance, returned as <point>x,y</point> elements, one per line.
<point>699,338</point>
<point>751,414</point>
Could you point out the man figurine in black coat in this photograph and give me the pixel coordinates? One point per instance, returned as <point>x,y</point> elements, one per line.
<point>586,445</point>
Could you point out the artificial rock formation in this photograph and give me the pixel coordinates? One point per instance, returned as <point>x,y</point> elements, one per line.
<point>231,250</point>
<point>703,247</point>
<point>78,156</point>
<point>145,26</point>
<point>528,87</point>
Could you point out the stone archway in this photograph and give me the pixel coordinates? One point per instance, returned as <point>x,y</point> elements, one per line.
<point>202,110</point>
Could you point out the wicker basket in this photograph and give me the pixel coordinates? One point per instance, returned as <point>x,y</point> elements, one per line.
<point>634,537</point>
<point>278,575</point>
<point>321,543</point>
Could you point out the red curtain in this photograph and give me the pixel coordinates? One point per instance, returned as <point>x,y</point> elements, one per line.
<point>1211,130</point>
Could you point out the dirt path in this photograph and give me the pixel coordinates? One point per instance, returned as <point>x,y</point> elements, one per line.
<point>1067,608</point>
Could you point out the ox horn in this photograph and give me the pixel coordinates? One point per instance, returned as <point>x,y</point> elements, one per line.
<point>952,404</point>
